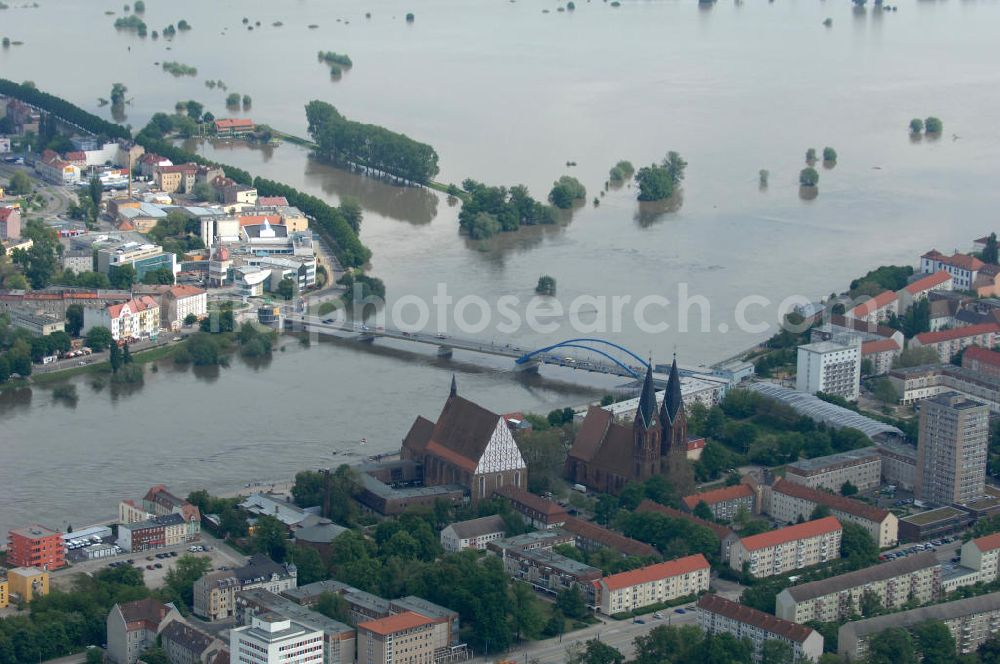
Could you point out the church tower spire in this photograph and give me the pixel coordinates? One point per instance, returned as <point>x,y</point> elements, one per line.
<point>454,386</point>
<point>646,431</point>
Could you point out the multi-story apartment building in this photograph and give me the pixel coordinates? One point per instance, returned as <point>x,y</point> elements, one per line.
<point>154,533</point>
<point>338,639</point>
<point>836,599</point>
<point>274,639</point>
<point>951,449</point>
<point>724,502</point>
<point>129,321</point>
<point>831,368</point>
<point>862,468</point>
<point>179,302</point>
<point>717,615</point>
<point>899,463</point>
<point>545,569</point>
<point>473,534</point>
<point>35,546</point>
<point>794,547</point>
<point>183,644</point>
<point>881,354</point>
<point>982,554</point>
<point>27,583</point>
<point>982,360</point>
<point>171,179</point>
<point>787,502</point>
<point>877,309</point>
<point>970,621</point>
<point>537,511</point>
<point>962,267</point>
<point>914,384</point>
<point>133,627</point>
<point>404,638</point>
<point>652,584</point>
<point>919,289</point>
<point>947,343</point>
<point>215,593</point>
<point>591,537</point>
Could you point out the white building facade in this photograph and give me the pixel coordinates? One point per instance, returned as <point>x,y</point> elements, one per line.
<point>831,368</point>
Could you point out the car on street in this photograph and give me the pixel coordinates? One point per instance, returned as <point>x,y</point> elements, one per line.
<point>679,610</point>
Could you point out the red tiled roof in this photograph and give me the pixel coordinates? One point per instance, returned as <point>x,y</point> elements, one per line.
<point>183,291</point>
<point>233,123</point>
<point>537,503</point>
<point>980,354</point>
<point>395,623</point>
<point>5,212</point>
<point>141,303</point>
<point>926,338</point>
<point>439,450</point>
<point>880,346</point>
<point>655,572</point>
<point>278,201</point>
<point>873,304</point>
<point>256,219</point>
<point>964,262</point>
<point>647,505</point>
<point>695,444</point>
<point>608,538</point>
<point>718,495</point>
<point>180,168</point>
<point>925,283</point>
<point>744,614</point>
<point>791,533</point>
<point>76,156</point>
<point>987,543</point>
<point>831,500</point>
<point>934,254</point>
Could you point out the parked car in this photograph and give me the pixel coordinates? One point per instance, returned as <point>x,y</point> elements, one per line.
<point>679,610</point>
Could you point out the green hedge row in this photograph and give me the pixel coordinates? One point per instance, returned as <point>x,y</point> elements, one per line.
<point>63,109</point>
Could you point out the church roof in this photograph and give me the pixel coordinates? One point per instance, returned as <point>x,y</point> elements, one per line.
<point>419,435</point>
<point>672,399</point>
<point>460,435</point>
<point>591,434</point>
<point>645,414</point>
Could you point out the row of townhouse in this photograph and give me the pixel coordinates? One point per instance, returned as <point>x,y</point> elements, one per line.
<point>888,304</point>
<point>215,593</point>
<point>914,578</point>
<point>786,549</point>
<point>948,343</point>
<point>652,584</point>
<point>154,533</point>
<point>718,615</point>
<point>788,502</point>
<point>143,316</point>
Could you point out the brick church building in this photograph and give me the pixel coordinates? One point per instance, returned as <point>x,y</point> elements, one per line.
<point>469,446</point>
<point>606,455</point>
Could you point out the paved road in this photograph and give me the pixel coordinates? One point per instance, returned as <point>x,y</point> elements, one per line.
<point>58,199</point>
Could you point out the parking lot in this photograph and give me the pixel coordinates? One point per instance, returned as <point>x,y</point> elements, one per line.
<point>946,548</point>
<point>154,563</point>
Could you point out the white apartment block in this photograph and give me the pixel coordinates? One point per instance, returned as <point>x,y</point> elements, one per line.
<point>272,639</point>
<point>179,302</point>
<point>652,584</point>
<point>717,615</point>
<point>132,320</point>
<point>981,555</point>
<point>473,534</point>
<point>862,468</point>
<point>786,502</point>
<point>838,598</point>
<point>831,368</point>
<point>962,267</point>
<point>786,549</point>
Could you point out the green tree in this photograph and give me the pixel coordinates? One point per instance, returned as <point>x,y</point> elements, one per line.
<point>309,564</point>
<point>857,545</point>
<point>808,177</point>
<point>829,154</point>
<point>193,108</point>
<point>933,125</point>
<point>675,165</point>
<point>934,643</point>
<point>333,605</point>
<point>990,250</point>
<point>122,277</point>
<point>115,358</point>
<point>703,511</point>
<point>20,184</point>
<point>247,101</point>
<point>811,156</point>
<point>94,656</point>
<point>233,99</point>
<point>96,190</point>
<point>74,319</point>
<point>623,170</point>
<point>286,288</point>
<point>870,604</point>
<point>848,489</point>
<point>654,183</point>
<point>594,652</point>
<point>546,285</point>
<point>99,338</point>
<point>352,212</point>
<point>566,191</point>
<point>203,191</point>
<point>775,651</point>
<point>270,538</point>
<point>989,651</point>
<point>914,357</point>
<point>190,319</point>
<point>181,577</point>
<point>570,602</point>
<point>526,611</point>
<point>892,646</point>
<point>819,512</point>
<point>916,126</point>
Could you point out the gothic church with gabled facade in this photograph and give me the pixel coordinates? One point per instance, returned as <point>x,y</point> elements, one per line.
<point>468,445</point>
<point>606,455</point>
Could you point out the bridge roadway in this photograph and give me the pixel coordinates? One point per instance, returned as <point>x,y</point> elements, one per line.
<point>446,344</point>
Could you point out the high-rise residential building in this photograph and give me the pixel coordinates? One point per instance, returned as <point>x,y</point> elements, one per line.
<point>830,367</point>
<point>951,449</point>
<point>274,639</point>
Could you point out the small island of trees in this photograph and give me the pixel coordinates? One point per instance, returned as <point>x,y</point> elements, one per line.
<point>139,6</point>
<point>489,210</point>
<point>566,191</point>
<point>133,23</point>
<point>623,170</point>
<point>410,17</point>
<point>337,62</point>
<point>179,69</point>
<point>932,125</point>
<point>658,181</point>
<point>811,156</point>
<point>183,25</point>
<point>546,285</point>
<point>370,147</point>
<point>829,155</point>
<point>808,177</point>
